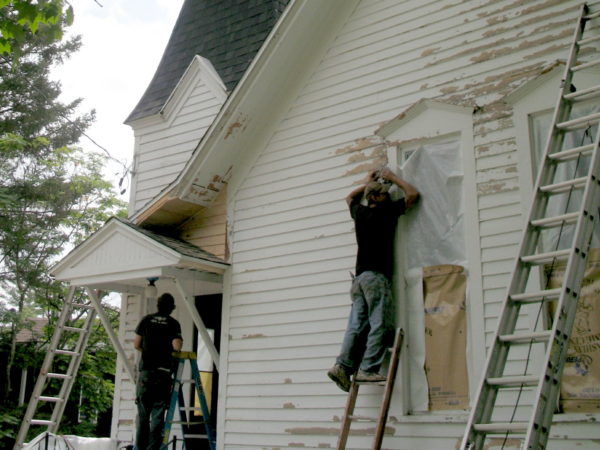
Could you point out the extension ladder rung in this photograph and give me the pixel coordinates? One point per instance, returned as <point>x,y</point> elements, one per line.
<point>195,436</point>
<point>514,381</point>
<point>186,422</point>
<point>533,297</point>
<point>526,338</point>
<point>41,422</point>
<point>572,153</point>
<point>548,257</point>
<point>50,399</point>
<point>580,122</point>
<point>592,16</point>
<point>564,186</point>
<point>66,352</point>
<point>588,40</point>
<point>74,329</point>
<point>578,95</point>
<point>585,65</point>
<point>62,376</point>
<point>548,222</point>
<point>82,305</point>
<point>362,418</point>
<point>502,427</point>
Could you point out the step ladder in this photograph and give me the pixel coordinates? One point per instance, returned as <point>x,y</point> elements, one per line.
<point>75,320</point>
<point>486,421</point>
<point>385,404</point>
<point>186,419</point>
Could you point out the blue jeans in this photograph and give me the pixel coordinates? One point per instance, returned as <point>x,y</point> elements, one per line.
<point>371,323</point>
<point>152,398</point>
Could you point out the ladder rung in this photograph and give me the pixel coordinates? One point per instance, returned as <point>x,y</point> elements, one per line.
<point>185,422</point>
<point>555,221</point>
<point>544,258</point>
<point>592,16</point>
<point>363,418</point>
<point>588,40</point>
<point>371,383</point>
<point>526,338</point>
<point>512,381</point>
<point>51,399</point>
<point>580,122</point>
<point>501,427</point>
<point>62,376</point>
<point>533,297</point>
<point>74,329</point>
<point>82,305</point>
<point>595,90</point>
<point>571,153</point>
<point>585,65</point>
<point>66,352</point>
<point>41,422</point>
<point>564,186</point>
<point>195,436</point>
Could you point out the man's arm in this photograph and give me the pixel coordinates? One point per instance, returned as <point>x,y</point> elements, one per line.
<point>177,343</point>
<point>411,195</point>
<point>359,191</point>
<point>137,342</point>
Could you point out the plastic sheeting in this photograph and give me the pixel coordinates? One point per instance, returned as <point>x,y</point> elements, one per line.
<point>52,441</point>
<point>432,234</point>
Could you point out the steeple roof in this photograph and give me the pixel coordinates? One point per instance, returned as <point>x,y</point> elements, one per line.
<point>228,33</point>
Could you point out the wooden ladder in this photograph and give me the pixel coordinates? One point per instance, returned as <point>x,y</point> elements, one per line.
<point>385,403</point>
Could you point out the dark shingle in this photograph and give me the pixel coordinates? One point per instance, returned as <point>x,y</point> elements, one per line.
<point>228,33</point>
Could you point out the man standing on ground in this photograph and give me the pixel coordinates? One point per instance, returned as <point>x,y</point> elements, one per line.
<point>371,319</point>
<point>156,336</point>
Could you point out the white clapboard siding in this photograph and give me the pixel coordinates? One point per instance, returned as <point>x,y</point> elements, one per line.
<point>292,237</point>
<point>164,145</point>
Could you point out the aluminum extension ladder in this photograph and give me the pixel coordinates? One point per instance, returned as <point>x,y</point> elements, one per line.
<point>385,404</point>
<point>178,403</point>
<point>545,381</point>
<point>85,314</point>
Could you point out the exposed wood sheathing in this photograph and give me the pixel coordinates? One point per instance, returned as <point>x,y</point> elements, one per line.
<point>292,241</point>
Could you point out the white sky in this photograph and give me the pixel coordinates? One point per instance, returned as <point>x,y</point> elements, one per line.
<point>122,43</point>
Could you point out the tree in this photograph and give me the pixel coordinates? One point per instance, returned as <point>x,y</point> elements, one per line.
<point>18,17</point>
<point>52,194</point>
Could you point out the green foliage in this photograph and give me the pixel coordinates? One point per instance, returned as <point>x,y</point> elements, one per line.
<point>20,17</point>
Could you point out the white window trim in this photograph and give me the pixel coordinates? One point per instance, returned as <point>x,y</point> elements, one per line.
<point>430,121</point>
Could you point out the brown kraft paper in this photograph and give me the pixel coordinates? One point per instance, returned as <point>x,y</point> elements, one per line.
<point>580,387</point>
<point>444,289</point>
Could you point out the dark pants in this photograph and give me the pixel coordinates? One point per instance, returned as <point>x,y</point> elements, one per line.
<point>152,398</point>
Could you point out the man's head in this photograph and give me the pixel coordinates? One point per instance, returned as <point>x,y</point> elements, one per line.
<point>165,304</point>
<point>376,192</point>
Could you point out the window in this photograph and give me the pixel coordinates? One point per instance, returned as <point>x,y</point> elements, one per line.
<point>431,147</point>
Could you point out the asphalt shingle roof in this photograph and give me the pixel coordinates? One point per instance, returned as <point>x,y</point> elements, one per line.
<point>228,33</point>
<point>180,246</point>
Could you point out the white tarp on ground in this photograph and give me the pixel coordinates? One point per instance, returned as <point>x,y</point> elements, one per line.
<point>56,442</point>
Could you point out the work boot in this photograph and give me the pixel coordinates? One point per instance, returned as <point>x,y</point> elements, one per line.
<point>340,377</point>
<point>369,377</point>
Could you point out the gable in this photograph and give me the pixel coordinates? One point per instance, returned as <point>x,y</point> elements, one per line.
<point>122,253</point>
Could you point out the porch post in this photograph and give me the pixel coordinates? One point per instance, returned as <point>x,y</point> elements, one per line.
<point>188,300</point>
<point>111,333</point>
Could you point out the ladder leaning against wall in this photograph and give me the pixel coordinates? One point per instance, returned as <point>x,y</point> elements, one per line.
<point>583,193</point>
<point>76,319</point>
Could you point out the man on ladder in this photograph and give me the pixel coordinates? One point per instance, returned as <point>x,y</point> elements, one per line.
<point>370,323</point>
<point>157,336</point>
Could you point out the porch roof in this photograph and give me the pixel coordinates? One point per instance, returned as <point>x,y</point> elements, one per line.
<point>121,257</point>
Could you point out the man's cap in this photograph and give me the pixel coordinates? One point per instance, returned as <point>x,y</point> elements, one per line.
<point>375,187</point>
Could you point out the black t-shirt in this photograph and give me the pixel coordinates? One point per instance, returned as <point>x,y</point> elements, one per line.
<point>375,230</point>
<point>157,332</point>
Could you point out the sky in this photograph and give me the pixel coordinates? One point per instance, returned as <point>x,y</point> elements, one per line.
<point>122,43</point>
